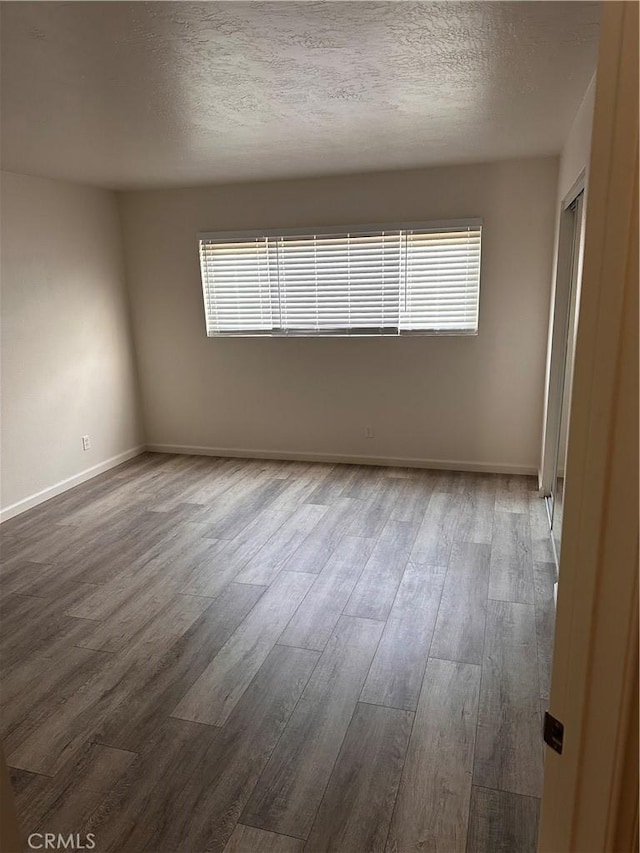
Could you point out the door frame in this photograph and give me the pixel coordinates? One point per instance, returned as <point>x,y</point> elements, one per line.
<point>559,321</point>
<point>590,790</point>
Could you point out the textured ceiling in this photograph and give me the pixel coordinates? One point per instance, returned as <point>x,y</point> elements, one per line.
<point>136,94</point>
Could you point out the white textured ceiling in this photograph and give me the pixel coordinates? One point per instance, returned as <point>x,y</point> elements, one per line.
<point>139,94</point>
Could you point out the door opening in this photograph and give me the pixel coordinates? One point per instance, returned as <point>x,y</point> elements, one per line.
<point>565,324</point>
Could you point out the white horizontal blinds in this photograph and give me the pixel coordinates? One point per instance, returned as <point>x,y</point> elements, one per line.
<point>442,280</point>
<point>392,281</point>
<point>340,283</point>
<point>240,286</point>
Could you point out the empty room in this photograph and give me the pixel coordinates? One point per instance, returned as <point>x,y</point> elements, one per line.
<point>297,300</point>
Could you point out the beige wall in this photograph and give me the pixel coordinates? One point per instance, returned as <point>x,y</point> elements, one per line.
<point>466,400</point>
<point>67,356</point>
<point>576,150</point>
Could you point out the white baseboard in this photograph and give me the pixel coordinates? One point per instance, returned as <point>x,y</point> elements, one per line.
<point>64,485</point>
<point>243,453</point>
<point>394,461</point>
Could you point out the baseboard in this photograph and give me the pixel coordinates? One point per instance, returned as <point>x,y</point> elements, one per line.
<point>69,483</point>
<point>394,461</point>
<point>243,453</point>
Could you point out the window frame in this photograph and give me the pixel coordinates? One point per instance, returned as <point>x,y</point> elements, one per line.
<point>328,230</point>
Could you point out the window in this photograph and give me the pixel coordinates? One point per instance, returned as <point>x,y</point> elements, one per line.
<point>367,280</point>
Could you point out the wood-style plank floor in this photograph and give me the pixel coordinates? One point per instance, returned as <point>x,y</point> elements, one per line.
<point>206,654</point>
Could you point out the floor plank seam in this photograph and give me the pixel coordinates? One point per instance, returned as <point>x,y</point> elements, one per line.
<point>400,778</point>
<point>482,674</point>
<point>278,739</point>
<point>507,791</point>
<point>381,633</point>
<point>329,775</point>
<point>404,762</point>
<point>511,601</point>
<point>211,598</point>
<point>389,707</point>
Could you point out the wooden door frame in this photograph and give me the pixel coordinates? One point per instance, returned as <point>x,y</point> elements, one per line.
<point>590,790</point>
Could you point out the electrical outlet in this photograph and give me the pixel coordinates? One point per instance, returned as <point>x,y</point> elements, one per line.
<point>368,432</point>
<point>86,442</point>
